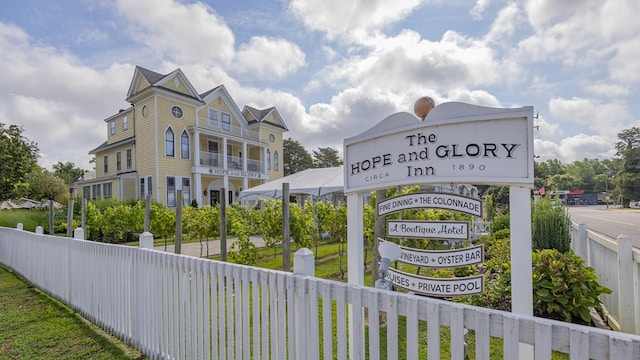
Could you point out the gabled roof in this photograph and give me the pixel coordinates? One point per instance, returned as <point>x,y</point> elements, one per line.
<point>221,91</point>
<point>157,80</point>
<point>106,145</point>
<point>204,94</point>
<point>260,116</point>
<point>152,77</point>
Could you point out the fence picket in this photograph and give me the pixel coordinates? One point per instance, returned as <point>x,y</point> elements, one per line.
<point>176,307</point>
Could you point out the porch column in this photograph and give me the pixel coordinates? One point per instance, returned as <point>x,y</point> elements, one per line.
<point>244,156</point>
<point>196,148</point>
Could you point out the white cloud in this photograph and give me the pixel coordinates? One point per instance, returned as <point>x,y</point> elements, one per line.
<point>350,20</point>
<point>57,128</point>
<point>268,58</point>
<point>585,33</point>
<point>479,8</point>
<point>575,148</point>
<point>185,33</point>
<point>608,90</point>
<point>505,24</point>
<point>603,118</point>
<point>406,61</point>
<point>546,129</point>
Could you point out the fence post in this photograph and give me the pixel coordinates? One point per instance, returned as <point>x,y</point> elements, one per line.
<point>146,240</point>
<point>303,264</point>
<point>78,233</point>
<point>626,297</point>
<point>19,226</point>
<point>39,230</point>
<point>582,244</point>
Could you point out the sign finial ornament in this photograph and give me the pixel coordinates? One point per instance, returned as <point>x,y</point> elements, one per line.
<point>422,107</point>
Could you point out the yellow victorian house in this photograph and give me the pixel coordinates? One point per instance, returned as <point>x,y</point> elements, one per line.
<point>172,138</point>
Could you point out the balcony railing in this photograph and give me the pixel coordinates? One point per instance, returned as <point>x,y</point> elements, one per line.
<point>236,131</point>
<point>214,160</point>
<point>210,159</point>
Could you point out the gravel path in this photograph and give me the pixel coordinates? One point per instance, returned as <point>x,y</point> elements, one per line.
<point>197,249</point>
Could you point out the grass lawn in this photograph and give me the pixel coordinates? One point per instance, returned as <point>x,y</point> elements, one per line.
<point>34,326</point>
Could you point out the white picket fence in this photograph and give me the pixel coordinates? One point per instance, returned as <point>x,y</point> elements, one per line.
<point>617,264</point>
<point>177,307</point>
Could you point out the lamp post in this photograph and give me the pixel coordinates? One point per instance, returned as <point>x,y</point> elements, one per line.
<point>388,252</point>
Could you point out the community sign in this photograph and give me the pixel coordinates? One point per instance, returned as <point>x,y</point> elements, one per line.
<point>468,143</point>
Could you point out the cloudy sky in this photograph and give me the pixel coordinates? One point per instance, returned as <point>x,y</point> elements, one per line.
<point>333,68</point>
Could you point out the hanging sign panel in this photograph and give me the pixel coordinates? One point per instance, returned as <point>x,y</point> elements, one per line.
<point>469,285</point>
<point>442,258</point>
<point>435,230</point>
<point>445,201</point>
<point>469,143</point>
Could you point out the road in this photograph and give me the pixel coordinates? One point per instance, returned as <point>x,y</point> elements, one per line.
<point>612,221</point>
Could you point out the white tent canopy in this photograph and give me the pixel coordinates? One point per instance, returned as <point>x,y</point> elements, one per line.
<point>314,182</point>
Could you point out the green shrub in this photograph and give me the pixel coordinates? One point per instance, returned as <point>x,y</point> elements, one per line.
<point>550,226</point>
<point>500,222</point>
<point>563,288</point>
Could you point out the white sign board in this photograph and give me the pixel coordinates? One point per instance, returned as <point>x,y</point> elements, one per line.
<point>437,287</point>
<point>443,258</point>
<point>444,201</point>
<point>471,144</point>
<point>443,230</point>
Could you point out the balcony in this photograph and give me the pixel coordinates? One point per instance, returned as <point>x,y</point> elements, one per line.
<point>214,160</point>
<point>238,131</point>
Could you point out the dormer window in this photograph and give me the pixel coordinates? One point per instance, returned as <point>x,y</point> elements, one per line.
<point>213,118</point>
<point>226,121</point>
<point>112,127</point>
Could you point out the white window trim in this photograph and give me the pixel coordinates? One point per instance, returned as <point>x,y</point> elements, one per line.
<point>165,142</point>
<point>188,155</point>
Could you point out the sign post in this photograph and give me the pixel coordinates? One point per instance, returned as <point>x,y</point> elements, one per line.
<point>455,143</point>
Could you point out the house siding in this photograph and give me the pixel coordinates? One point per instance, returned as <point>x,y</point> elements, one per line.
<point>145,136</point>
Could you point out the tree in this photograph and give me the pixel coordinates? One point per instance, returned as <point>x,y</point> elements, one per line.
<point>18,158</point>
<point>564,182</point>
<point>629,139</point>
<point>296,158</point>
<point>326,157</point>
<point>67,172</point>
<point>628,178</point>
<point>45,185</point>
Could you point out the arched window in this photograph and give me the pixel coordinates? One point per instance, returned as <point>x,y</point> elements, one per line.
<point>184,145</point>
<point>276,161</point>
<point>169,147</point>
<point>268,159</point>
